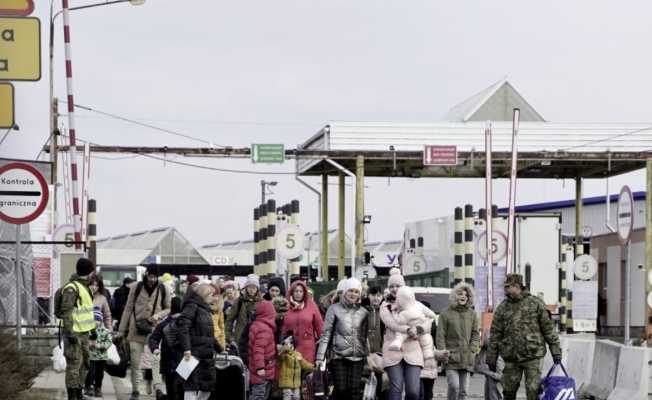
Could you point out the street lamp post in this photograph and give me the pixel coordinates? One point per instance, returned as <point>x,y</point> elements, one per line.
<point>52,101</point>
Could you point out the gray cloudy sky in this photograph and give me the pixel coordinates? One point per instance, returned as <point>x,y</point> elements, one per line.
<point>239,72</point>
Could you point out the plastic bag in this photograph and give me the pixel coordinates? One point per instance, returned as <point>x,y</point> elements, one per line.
<point>58,359</point>
<point>113,358</point>
<point>557,387</point>
<point>370,388</point>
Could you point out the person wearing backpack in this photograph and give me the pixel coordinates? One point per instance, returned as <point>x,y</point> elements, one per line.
<point>147,304</point>
<point>164,342</point>
<point>74,307</point>
<point>242,311</point>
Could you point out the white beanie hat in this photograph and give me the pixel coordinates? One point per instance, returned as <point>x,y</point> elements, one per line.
<point>352,283</point>
<point>395,278</point>
<point>340,285</point>
<point>252,279</point>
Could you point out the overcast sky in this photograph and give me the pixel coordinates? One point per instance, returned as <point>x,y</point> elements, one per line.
<point>239,72</point>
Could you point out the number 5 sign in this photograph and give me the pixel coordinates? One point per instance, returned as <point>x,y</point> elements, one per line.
<point>289,242</point>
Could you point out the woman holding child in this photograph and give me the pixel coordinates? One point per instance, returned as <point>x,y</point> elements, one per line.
<point>403,364</point>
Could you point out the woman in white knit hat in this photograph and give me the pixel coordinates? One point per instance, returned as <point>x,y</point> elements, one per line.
<point>242,310</point>
<point>345,334</point>
<point>403,366</point>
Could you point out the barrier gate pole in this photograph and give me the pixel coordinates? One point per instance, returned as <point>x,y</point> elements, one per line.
<point>17,273</point>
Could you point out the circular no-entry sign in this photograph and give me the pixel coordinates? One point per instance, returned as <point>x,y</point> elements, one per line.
<point>625,216</point>
<point>23,193</point>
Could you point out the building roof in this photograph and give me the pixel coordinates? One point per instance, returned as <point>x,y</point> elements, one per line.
<point>495,103</point>
<point>549,150</point>
<point>156,246</point>
<point>556,205</point>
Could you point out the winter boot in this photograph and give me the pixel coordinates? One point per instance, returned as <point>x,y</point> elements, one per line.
<point>72,395</point>
<point>135,395</point>
<point>97,393</point>
<point>88,390</point>
<point>160,395</point>
<point>80,394</point>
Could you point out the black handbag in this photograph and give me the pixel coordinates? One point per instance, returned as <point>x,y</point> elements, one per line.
<point>144,326</point>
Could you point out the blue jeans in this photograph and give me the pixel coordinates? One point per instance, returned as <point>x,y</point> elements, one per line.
<point>406,376</point>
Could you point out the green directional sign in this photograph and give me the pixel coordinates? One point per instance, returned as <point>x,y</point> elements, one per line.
<point>268,153</point>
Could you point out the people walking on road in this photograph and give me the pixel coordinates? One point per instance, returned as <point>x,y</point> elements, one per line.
<point>119,301</point>
<point>98,356</point>
<point>276,294</point>
<point>459,335</point>
<point>492,379</point>
<point>262,351</point>
<point>375,330</point>
<point>403,366</point>
<point>99,299</point>
<point>78,326</point>
<point>304,320</point>
<point>520,329</point>
<point>345,335</point>
<point>217,313</point>
<point>230,294</point>
<point>430,370</point>
<point>163,342</point>
<point>197,339</point>
<point>242,310</point>
<point>291,366</point>
<point>147,304</point>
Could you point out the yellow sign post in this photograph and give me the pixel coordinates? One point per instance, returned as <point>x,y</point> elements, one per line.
<point>20,49</point>
<point>16,7</point>
<point>6,105</point>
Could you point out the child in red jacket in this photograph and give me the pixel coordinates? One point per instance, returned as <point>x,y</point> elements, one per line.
<point>262,351</point>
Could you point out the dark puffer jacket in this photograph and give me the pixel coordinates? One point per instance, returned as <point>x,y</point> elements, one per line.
<point>346,326</point>
<point>195,330</point>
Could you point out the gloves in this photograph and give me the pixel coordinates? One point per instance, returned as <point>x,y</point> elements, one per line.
<point>556,359</point>
<point>72,339</point>
<point>420,330</point>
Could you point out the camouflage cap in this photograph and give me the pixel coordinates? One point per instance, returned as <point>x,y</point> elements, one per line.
<point>514,279</point>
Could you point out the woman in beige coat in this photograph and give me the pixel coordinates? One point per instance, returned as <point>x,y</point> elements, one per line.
<point>148,302</point>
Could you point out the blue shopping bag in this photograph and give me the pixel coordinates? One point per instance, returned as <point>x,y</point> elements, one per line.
<point>557,387</point>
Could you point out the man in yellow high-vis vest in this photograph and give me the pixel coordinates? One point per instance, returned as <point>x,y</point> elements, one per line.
<point>78,327</point>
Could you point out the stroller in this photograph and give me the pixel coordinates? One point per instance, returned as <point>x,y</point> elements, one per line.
<point>232,376</point>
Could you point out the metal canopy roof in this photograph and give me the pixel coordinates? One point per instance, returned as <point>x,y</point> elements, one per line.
<point>546,150</point>
<point>494,103</point>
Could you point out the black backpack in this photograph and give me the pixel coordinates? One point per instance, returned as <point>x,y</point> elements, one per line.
<point>58,300</point>
<point>170,335</point>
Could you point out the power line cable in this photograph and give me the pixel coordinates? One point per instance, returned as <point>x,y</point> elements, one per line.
<point>214,121</point>
<point>145,125</point>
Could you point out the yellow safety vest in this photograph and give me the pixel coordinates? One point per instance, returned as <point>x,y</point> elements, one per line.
<point>82,314</point>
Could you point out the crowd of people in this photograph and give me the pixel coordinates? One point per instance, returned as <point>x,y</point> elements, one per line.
<point>357,335</point>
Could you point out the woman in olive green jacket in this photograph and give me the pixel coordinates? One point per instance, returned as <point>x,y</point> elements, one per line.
<point>458,334</point>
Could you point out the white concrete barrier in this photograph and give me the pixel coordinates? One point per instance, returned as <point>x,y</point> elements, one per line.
<point>547,360</point>
<point>579,360</point>
<point>604,370</point>
<point>633,374</point>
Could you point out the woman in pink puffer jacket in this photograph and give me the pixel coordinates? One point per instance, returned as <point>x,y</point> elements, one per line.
<point>403,366</point>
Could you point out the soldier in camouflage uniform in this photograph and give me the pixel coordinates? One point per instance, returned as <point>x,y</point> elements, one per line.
<point>78,327</point>
<point>520,329</point>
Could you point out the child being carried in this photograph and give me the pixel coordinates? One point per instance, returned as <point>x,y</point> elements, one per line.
<point>415,315</point>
